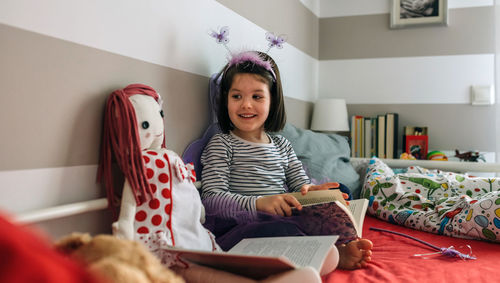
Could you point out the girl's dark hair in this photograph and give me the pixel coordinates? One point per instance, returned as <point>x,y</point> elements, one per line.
<point>277,116</point>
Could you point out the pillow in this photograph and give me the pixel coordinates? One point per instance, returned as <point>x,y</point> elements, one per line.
<point>435,201</point>
<point>325,157</point>
<point>192,153</point>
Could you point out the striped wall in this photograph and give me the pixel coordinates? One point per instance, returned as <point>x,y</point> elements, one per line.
<point>424,73</point>
<point>60,59</point>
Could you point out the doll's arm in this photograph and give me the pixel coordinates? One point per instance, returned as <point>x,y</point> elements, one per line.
<point>124,227</point>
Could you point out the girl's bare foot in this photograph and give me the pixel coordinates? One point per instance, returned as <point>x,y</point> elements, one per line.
<point>355,254</point>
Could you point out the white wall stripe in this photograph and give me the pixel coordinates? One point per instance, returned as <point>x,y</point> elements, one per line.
<point>170,33</point>
<point>344,8</point>
<point>413,80</point>
<point>313,6</point>
<point>26,190</point>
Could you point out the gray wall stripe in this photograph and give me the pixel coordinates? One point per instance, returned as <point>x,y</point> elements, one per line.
<point>451,126</point>
<point>54,93</point>
<point>470,31</point>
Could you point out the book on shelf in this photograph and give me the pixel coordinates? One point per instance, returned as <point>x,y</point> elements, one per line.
<point>375,136</point>
<point>368,137</point>
<point>391,136</point>
<point>259,258</point>
<point>357,141</point>
<point>381,136</point>
<point>353,136</point>
<point>359,128</point>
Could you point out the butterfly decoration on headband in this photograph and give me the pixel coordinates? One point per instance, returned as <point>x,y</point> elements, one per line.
<point>221,37</point>
<point>274,40</point>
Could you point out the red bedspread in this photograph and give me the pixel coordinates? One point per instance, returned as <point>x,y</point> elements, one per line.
<point>393,259</point>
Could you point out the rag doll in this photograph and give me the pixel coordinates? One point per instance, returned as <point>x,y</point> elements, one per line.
<point>159,204</point>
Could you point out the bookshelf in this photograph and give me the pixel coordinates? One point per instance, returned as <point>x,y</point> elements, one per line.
<point>375,136</point>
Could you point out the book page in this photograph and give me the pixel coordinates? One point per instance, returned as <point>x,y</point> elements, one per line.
<point>301,250</point>
<point>358,209</point>
<point>317,197</point>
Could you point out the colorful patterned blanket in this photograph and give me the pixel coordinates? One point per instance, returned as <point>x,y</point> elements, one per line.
<point>439,202</point>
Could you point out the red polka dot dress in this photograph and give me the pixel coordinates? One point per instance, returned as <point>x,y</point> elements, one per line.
<point>172,216</point>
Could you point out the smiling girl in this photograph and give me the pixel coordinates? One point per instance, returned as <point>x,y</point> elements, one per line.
<point>245,168</point>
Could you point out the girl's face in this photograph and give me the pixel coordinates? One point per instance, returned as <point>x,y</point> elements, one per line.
<point>149,120</point>
<point>248,104</point>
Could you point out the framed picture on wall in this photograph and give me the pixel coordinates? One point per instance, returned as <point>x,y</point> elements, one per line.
<point>412,13</point>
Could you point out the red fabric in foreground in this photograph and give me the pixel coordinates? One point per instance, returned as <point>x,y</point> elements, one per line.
<point>26,256</point>
<point>393,259</point>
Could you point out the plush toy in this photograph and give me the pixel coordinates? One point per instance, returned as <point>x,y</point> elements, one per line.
<point>116,260</point>
<point>407,156</point>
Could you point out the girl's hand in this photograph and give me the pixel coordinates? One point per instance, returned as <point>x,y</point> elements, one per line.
<point>309,187</point>
<point>278,204</point>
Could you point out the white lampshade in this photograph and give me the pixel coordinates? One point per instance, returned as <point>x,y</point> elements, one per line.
<point>330,115</point>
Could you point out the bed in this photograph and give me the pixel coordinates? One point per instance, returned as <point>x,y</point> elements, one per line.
<point>394,260</point>
<point>393,255</point>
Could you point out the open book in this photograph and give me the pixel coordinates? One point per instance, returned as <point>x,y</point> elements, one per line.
<point>324,213</point>
<point>259,258</point>
<point>337,217</point>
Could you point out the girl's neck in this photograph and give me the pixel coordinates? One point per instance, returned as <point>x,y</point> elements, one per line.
<point>256,137</point>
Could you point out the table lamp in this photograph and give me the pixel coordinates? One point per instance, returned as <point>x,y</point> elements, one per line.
<point>330,115</point>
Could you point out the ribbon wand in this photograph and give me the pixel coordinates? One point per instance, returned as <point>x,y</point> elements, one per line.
<point>450,251</point>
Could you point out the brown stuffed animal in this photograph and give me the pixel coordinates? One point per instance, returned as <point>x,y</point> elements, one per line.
<point>116,259</point>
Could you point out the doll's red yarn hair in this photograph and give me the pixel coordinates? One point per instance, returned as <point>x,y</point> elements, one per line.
<point>121,143</point>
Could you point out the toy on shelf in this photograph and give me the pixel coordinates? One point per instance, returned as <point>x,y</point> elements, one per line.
<point>470,156</point>
<point>416,141</point>
<point>437,156</point>
<point>407,156</point>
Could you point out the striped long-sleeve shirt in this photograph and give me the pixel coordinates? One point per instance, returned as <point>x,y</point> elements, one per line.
<point>237,172</point>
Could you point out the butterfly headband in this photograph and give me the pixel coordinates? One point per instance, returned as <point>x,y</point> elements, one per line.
<point>221,37</point>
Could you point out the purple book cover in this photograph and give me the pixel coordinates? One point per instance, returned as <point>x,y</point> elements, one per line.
<point>327,219</point>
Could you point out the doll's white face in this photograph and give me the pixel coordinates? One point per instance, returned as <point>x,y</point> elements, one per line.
<point>149,120</point>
